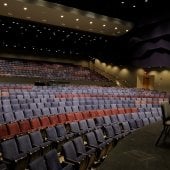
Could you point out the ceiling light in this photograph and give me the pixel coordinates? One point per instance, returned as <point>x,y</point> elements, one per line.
<point>62,16</point>
<point>146,1</point>
<point>25,8</point>
<point>5,4</point>
<point>122,2</point>
<point>104,25</point>
<point>134,6</point>
<point>91,22</point>
<point>77,19</point>
<point>115,28</point>
<point>127,30</point>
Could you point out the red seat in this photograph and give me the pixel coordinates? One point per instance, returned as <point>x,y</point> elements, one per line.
<point>62,118</point>
<point>93,113</point>
<point>79,115</point>
<point>86,114</point>
<point>3,132</point>
<point>54,119</point>
<point>25,126</point>
<point>114,111</point>
<point>35,123</point>
<point>45,122</point>
<point>134,110</point>
<point>121,111</point>
<point>108,112</point>
<point>13,128</point>
<point>128,110</point>
<point>100,113</point>
<point>70,117</point>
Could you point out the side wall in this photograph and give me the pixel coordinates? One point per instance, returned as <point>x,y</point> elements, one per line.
<point>132,77</point>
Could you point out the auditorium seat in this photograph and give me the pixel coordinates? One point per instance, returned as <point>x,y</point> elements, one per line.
<point>13,128</point>
<point>4,132</point>
<point>28,113</point>
<point>25,126</point>
<point>25,146</point>
<point>101,139</point>
<point>38,141</point>
<point>19,115</point>
<point>52,162</point>
<point>10,153</point>
<point>75,129</point>
<point>2,118</point>
<point>101,148</point>
<point>84,126</point>
<point>9,117</point>
<point>70,155</point>
<point>38,164</point>
<point>54,119</point>
<point>81,148</point>
<point>62,131</point>
<point>91,124</point>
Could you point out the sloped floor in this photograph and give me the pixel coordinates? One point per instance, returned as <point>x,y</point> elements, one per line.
<point>137,151</point>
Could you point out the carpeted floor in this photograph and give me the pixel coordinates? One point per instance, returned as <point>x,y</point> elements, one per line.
<point>137,151</point>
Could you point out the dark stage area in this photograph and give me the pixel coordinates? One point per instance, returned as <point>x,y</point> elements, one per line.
<point>137,151</point>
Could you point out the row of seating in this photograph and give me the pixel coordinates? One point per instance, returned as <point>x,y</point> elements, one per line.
<point>22,126</point>
<point>26,148</point>
<point>41,103</point>
<point>81,89</point>
<point>21,68</point>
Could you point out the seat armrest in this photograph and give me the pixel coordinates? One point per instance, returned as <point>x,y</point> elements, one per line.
<point>73,161</point>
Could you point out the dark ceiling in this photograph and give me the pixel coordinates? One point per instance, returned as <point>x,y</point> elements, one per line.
<point>130,10</point>
<point>41,39</point>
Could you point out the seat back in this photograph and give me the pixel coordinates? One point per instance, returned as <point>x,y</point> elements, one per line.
<point>51,133</point>
<point>61,130</point>
<point>52,161</point>
<point>91,139</point>
<point>79,145</point>
<point>9,149</point>
<point>36,138</point>
<point>38,164</point>
<point>69,151</point>
<point>24,143</point>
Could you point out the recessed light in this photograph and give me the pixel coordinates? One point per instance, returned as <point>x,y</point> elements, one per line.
<point>91,22</point>
<point>9,13</point>
<point>134,6</point>
<point>77,19</point>
<point>104,25</point>
<point>62,16</point>
<point>25,8</point>
<point>146,1</point>
<point>122,2</point>
<point>115,28</point>
<point>127,30</point>
<point>5,4</point>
